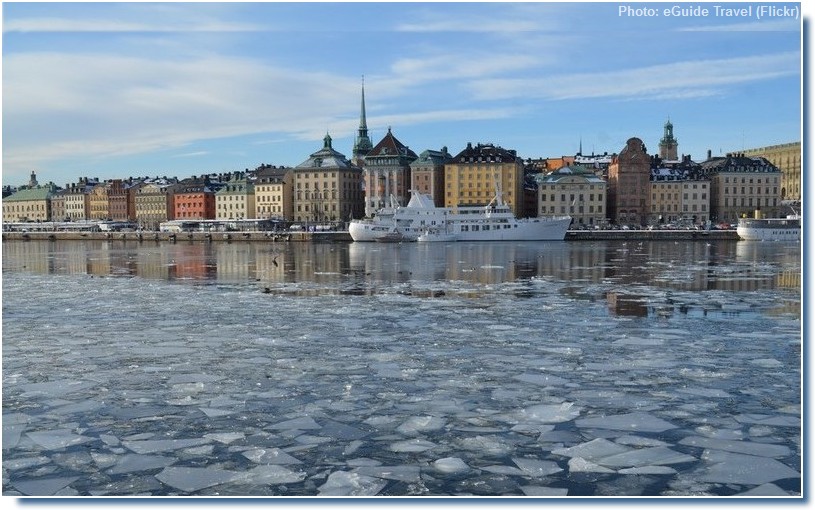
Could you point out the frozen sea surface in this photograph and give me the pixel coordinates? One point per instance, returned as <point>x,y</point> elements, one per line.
<point>550,370</point>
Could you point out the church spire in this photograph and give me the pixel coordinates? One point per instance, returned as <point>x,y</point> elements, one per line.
<point>363,124</point>
<point>362,144</point>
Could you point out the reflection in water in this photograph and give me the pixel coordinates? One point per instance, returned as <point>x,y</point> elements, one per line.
<point>363,268</point>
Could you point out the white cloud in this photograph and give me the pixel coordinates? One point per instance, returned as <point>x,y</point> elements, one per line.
<point>90,106</point>
<point>480,24</point>
<point>677,80</point>
<point>26,25</point>
<point>778,25</point>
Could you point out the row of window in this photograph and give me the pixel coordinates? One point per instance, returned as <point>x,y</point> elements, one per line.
<point>24,208</point>
<point>571,209</point>
<point>750,192</point>
<point>749,202</point>
<point>676,196</point>
<point>572,198</point>
<point>667,208</point>
<point>750,181</point>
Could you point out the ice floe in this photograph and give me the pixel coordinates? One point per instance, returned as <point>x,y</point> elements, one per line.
<point>639,422</point>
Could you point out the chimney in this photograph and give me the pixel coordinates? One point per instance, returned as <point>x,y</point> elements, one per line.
<point>709,154</point>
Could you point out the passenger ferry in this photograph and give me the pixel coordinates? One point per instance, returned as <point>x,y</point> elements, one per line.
<point>492,222</point>
<point>770,229</point>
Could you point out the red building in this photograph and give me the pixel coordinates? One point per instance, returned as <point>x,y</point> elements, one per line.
<point>194,199</point>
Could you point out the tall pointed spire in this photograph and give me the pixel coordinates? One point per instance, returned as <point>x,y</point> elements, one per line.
<point>363,124</point>
<point>362,144</point>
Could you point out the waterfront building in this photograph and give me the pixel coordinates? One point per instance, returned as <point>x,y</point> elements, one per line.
<point>629,184</point>
<point>741,185</point>
<point>327,187</point>
<point>362,143</point>
<point>194,199</point>
<point>680,193</point>
<point>77,203</point>
<point>574,190</point>
<point>427,174</point>
<point>29,204</point>
<point>387,173</point>
<point>154,204</point>
<point>472,176</point>
<point>117,195</point>
<point>98,203</point>
<point>787,157</point>
<point>236,199</point>
<point>58,205</point>
<point>273,192</point>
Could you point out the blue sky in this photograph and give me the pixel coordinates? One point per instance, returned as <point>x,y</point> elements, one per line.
<point>132,89</point>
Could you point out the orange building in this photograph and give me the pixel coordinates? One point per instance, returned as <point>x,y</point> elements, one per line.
<point>194,199</point>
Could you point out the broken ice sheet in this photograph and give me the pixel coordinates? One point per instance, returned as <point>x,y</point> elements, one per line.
<point>270,456</point>
<point>550,413</point>
<point>162,445</point>
<point>592,450</point>
<point>343,483</point>
<point>131,463</point>
<point>191,479</point>
<point>43,486</point>
<point>641,422</point>
<point>270,474</point>
<point>405,473</point>
<point>537,468</point>
<point>746,447</point>
<point>581,465</point>
<point>418,424</point>
<point>451,465</point>
<point>737,468</point>
<point>412,445</point>
<point>13,426</point>
<point>657,455</point>
<point>55,439</point>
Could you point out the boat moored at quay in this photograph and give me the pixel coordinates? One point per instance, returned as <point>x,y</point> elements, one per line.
<point>770,229</point>
<point>420,220</point>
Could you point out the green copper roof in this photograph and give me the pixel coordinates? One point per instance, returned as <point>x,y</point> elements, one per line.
<point>27,195</point>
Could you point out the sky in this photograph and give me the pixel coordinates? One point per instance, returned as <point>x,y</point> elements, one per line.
<point>117,90</point>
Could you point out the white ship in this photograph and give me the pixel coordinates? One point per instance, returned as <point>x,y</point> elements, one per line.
<point>493,222</point>
<point>770,229</point>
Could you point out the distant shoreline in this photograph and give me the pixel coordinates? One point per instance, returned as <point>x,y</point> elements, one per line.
<point>282,237</point>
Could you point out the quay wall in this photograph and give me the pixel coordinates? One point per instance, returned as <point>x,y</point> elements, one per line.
<point>572,235</point>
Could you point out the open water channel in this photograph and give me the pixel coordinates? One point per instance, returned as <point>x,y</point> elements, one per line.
<point>564,369</point>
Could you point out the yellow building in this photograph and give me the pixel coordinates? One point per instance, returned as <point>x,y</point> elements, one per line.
<point>235,200</point>
<point>680,194</point>
<point>741,185</point>
<point>273,193</point>
<point>30,204</point>
<point>471,177</point>
<point>787,157</point>
<point>327,187</point>
<point>154,204</point>
<point>576,191</point>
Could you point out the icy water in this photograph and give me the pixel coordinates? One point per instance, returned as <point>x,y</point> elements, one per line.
<point>465,369</point>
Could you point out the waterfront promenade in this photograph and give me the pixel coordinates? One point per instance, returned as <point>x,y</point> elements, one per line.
<point>343,236</point>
